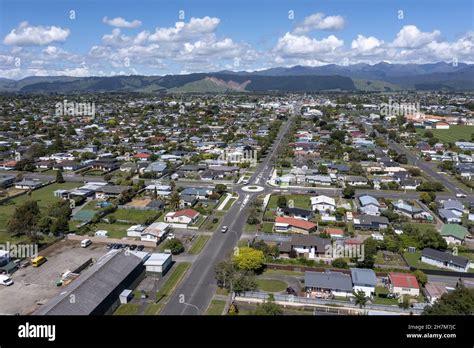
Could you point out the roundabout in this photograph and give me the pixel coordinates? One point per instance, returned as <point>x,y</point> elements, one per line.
<point>252,188</point>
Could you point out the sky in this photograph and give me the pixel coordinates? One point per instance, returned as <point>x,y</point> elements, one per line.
<point>159,37</point>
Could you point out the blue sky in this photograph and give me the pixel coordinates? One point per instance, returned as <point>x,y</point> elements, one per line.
<point>148,37</point>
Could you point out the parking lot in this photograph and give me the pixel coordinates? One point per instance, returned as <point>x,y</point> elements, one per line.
<point>34,286</point>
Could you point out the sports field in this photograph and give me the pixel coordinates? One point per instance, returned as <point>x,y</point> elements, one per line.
<point>453,134</point>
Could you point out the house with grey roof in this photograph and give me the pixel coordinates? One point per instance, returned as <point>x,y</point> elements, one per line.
<point>404,208</point>
<point>369,222</point>
<point>454,206</point>
<point>449,216</point>
<point>369,205</point>
<point>328,284</point>
<point>364,279</point>
<point>444,259</point>
<point>308,246</point>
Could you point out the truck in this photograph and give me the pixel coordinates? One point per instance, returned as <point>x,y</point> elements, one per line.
<point>5,280</point>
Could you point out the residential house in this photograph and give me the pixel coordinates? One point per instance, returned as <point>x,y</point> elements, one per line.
<point>185,216</point>
<point>355,180</point>
<point>110,191</point>
<point>308,246</point>
<point>369,222</point>
<point>6,180</point>
<point>335,233</point>
<point>28,184</point>
<point>296,213</point>
<point>323,203</point>
<point>323,180</point>
<point>327,284</point>
<point>369,205</point>
<point>454,233</point>
<point>155,232</point>
<point>105,164</point>
<point>444,259</point>
<point>288,224</point>
<point>364,280</point>
<point>403,284</point>
<point>158,168</point>
<point>403,208</point>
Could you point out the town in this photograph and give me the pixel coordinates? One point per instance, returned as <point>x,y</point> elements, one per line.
<point>236,204</point>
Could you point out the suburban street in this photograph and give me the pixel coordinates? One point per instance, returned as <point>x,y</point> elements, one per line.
<point>197,289</point>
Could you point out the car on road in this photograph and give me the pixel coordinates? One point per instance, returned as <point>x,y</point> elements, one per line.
<point>461,195</point>
<point>224,229</point>
<point>311,191</point>
<point>291,291</point>
<point>245,182</point>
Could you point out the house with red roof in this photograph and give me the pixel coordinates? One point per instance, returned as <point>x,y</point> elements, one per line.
<point>289,224</point>
<point>403,284</point>
<point>142,156</point>
<point>185,216</point>
<point>334,232</point>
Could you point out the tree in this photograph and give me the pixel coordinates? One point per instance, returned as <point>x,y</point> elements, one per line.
<point>228,276</point>
<point>174,200</point>
<point>457,302</point>
<point>370,251</point>
<point>59,177</point>
<point>360,298</point>
<point>427,197</point>
<point>269,307</point>
<point>339,263</point>
<point>249,259</point>
<point>220,188</point>
<point>175,245</point>
<point>348,192</point>
<point>25,219</point>
<point>421,277</point>
<point>281,202</point>
<point>60,225</point>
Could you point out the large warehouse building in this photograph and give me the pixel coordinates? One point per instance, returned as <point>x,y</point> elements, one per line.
<point>97,290</point>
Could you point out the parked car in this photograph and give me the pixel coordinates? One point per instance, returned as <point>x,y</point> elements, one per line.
<point>133,247</point>
<point>116,246</point>
<point>170,236</point>
<point>140,247</point>
<point>291,291</point>
<point>110,245</point>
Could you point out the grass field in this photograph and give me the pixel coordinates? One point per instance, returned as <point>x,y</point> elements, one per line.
<point>453,134</point>
<point>271,285</point>
<point>115,230</point>
<point>44,196</point>
<point>134,216</point>
<point>167,289</point>
<point>198,245</point>
<point>216,307</point>
<point>300,201</point>
<point>127,309</point>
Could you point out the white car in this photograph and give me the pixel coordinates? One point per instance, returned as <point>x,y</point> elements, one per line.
<point>170,236</point>
<point>224,229</point>
<point>461,195</point>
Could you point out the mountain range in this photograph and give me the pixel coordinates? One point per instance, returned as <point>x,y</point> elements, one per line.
<point>357,77</point>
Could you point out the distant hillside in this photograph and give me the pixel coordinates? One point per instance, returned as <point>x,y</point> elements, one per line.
<point>363,77</point>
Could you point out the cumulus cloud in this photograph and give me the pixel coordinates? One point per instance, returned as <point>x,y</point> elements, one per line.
<point>412,37</point>
<point>364,44</point>
<point>182,31</point>
<point>291,45</point>
<point>318,21</point>
<point>27,35</point>
<point>120,22</point>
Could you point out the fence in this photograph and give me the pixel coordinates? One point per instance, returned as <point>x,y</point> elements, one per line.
<point>107,240</point>
<point>302,268</point>
<point>298,300</point>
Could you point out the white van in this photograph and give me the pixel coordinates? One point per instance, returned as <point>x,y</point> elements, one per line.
<point>5,280</point>
<point>85,243</point>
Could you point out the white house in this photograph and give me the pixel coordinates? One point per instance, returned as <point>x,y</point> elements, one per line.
<point>446,260</point>
<point>135,231</point>
<point>185,216</point>
<point>364,280</point>
<point>155,232</point>
<point>323,203</point>
<point>158,263</point>
<point>403,284</point>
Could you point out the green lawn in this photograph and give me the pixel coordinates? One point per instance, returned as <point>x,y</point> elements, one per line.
<point>171,283</point>
<point>271,285</point>
<point>300,201</point>
<point>413,260</point>
<point>216,307</point>
<point>250,228</point>
<point>198,245</point>
<point>267,227</point>
<point>423,227</point>
<point>453,134</point>
<point>152,309</point>
<point>127,309</point>
<point>282,272</point>
<point>115,230</point>
<point>134,216</point>
<point>44,196</point>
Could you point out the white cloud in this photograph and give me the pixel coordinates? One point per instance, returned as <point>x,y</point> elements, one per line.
<point>291,45</point>
<point>27,35</point>
<point>411,37</point>
<point>120,22</point>
<point>186,31</point>
<point>364,44</point>
<point>318,21</point>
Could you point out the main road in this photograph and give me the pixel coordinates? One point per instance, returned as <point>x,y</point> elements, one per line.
<point>194,294</point>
